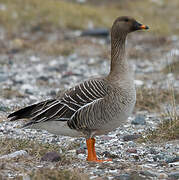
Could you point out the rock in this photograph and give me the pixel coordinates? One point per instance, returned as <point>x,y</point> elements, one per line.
<point>131,137</point>
<point>51,157</point>
<point>148,173</point>
<point>109,155</point>
<point>26,177</point>
<point>138,82</point>
<point>162,176</point>
<point>132,150</point>
<point>172,159</point>
<point>174,175</point>
<point>15,154</point>
<point>3,77</point>
<point>158,157</point>
<point>99,32</point>
<point>82,156</point>
<point>122,177</point>
<point>4,108</point>
<point>81,151</point>
<point>153,151</point>
<point>174,164</point>
<point>27,88</point>
<point>139,120</point>
<point>136,176</point>
<point>34,58</point>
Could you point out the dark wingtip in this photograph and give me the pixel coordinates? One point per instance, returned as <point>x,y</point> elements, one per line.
<point>12,117</point>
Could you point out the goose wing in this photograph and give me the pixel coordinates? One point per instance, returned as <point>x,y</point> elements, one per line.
<point>66,106</point>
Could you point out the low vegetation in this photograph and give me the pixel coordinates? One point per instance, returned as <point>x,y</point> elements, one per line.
<point>172,68</point>
<point>45,15</point>
<point>35,151</point>
<point>167,130</point>
<point>152,100</point>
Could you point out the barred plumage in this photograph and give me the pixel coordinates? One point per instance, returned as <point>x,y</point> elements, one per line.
<point>65,108</point>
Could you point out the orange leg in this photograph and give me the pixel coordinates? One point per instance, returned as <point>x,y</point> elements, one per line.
<point>91,151</point>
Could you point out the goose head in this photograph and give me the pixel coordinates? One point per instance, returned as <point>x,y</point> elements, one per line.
<point>124,25</point>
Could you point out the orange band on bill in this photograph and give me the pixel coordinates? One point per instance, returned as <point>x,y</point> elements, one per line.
<point>143,27</point>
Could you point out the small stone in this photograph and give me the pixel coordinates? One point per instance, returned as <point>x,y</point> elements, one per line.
<point>26,177</point>
<point>153,151</point>
<point>138,82</point>
<point>109,155</point>
<point>51,157</point>
<point>4,108</point>
<point>172,159</point>
<point>174,175</point>
<point>122,177</point>
<point>131,137</point>
<point>139,120</point>
<point>148,173</point>
<point>15,154</point>
<point>158,157</point>
<point>163,176</point>
<point>81,156</point>
<point>3,77</point>
<point>132,150</point>
<point>80,151</point>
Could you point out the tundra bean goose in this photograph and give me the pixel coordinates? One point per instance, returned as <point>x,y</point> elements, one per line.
<point>96,106</point>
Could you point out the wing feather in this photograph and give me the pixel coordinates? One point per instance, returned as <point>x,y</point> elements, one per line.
<point>68,105</point>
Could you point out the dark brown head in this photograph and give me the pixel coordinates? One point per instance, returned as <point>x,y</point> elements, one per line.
<point>125,25</point>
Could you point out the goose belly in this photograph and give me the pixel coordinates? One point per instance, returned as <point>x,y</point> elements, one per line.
<point>57,127</point>
<point>119,118</point>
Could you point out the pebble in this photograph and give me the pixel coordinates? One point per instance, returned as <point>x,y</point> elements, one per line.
<point>148,173</point>
<point>81,151</point>
<point>15,154</point>
<point>122,177</point>
<point>131,137</point>
<point>174,175</point>
<point>139,120</point>
<point>132,150</point>
<point>139,83</point>
<point>51,157</point>
<point>172,159</point>
<point>4,108</point>
<point>162,176</point>
<point>109,155</point>
<point>3,77</point>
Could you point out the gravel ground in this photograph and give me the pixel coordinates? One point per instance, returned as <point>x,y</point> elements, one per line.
<point>29,77</point>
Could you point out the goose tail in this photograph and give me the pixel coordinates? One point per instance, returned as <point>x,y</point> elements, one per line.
<point>29,111</point>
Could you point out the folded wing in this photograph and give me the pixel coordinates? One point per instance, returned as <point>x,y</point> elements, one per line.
<point>64,109</point>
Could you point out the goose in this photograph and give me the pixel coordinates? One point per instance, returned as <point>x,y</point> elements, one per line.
<point>95,106</point>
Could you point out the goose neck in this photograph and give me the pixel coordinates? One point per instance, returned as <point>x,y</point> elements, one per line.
<point>119,64</point>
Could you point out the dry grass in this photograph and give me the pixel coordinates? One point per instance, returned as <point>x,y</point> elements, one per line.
<point>151,99</point>
<point>52,14</point>
<point>34,149</point>
<point>56,174</point>
<point>30,164</point>
<point>46,16</point>
<point>166,131</point>
<point>172,68</point>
